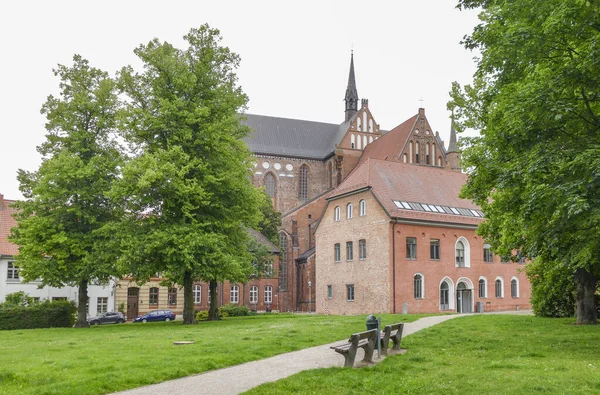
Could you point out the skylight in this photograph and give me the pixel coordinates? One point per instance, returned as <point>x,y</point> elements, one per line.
<point>433,208</point>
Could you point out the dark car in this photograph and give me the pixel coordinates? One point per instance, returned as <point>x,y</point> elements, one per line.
<point>110,317</point>
<point>156,315</point>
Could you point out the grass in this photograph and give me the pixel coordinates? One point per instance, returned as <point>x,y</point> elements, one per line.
<point>105,359</point>
<point>489,354</point>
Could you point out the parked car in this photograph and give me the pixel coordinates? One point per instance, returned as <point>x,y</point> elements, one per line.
<point>156,315</point>
<point>110,317</point>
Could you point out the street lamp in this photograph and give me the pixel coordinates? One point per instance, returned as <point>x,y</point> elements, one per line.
<point>309,297</point>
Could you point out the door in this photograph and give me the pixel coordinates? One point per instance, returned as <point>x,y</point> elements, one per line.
<point>133,295</point>
<point>463,299</point>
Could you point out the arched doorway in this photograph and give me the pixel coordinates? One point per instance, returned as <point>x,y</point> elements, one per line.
<point>444,296</point>
<point>463,298</point>
<point>133,295</point>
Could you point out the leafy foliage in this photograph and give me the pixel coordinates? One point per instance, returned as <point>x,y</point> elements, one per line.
<point>57,314</point>
<point>20,298</point>
<point>234,310</point>
<point>536,101</point>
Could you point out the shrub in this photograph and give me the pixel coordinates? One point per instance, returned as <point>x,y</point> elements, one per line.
<point>57,314</point>
<point>19,298</point>
<point>552,289</point>
<point>202,315</point>
<point>234,310</point>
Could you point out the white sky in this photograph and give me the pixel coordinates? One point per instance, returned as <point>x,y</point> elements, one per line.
<point>295,57</point>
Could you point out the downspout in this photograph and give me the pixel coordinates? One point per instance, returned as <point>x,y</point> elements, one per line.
<point>394,264</point>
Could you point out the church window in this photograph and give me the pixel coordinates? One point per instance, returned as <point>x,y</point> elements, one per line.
<point>404,158</point>
<point>358,140</point>
<point>370,139</point>
<point>362,208</point>
<point>329,175</point>
<point>358,124</point>
<point>410,151</point>
<point>303,186</point>
<point>283,261</point>
<point>417,152</point>
<point>352,141</point>
<point>349,211</point>
<point>370,125</point>
<point>364,141</point>
<point>365,120</point>
<point>433,154</point>
<point>336,214</point>
<point>439,160</point>
<point>427,153</point>
<point>270,184</point>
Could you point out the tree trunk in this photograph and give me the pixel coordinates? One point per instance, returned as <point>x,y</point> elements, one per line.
<point>189,316</point>
<point>585,283</point>
<point>213,310</point>
<point>82,305</point>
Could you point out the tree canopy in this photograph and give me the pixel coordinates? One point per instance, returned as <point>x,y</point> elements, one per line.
<point>535,168</point>
<point>186,189</point>
<point>66,200</point>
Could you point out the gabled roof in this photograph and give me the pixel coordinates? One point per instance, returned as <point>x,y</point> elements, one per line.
<point>393,181</point>
<point>6,223</point>
<point>390,144</point>
<point>291,137</point>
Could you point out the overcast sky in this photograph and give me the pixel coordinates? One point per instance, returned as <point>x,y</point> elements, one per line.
<point>295,57</point>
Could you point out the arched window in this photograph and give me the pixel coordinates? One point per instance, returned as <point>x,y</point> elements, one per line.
<point>433,154</point>
<point>427,153</point>
<point>417,152</point>
<point>349,211</point>
<point>418,286</point>
<point>462,253</point>
<point>352,141</point>
<point>411,150</point>
<point>444,296</point>
<point>439,160</point>
<point>336,213</point>
<point>364,141</point>
<point>358,140</point>
<point>282,261</point>
<point>303,186</point>
<point>358,124</point>
<point>482,288</point>
<point>404,158</point>
<point>499,284</point>
<point>270,184</point>
<point>371,126</point>
<point>514,287</point>
<point>329,175</point>
<point>370,139</point>
<point>362,208</point>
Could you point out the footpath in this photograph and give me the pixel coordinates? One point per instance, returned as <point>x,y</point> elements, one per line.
<point>241,378</point>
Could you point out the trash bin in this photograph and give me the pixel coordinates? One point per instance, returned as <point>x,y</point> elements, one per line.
<point>371,322</point>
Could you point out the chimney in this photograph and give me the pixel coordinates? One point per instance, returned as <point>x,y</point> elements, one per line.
<point>365,103</point>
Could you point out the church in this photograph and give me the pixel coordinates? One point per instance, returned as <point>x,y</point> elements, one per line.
<point>371,219</point>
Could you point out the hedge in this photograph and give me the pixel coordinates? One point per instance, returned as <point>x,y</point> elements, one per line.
<point>57,314</point>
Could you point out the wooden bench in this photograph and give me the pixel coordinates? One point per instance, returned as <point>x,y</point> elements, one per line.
<point>394,333</point>
<point>365,340</point>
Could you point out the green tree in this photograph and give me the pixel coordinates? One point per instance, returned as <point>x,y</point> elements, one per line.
<point>534,169</point>
<point>187,190</point>
<point>66,203</point>
<point>270,223</point>
<point>20,298</point>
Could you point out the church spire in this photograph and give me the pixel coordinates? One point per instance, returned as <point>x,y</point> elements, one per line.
<point>351,98</point>
<point>452,144</point>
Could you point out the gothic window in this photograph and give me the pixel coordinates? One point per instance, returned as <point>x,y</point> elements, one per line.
<point>371,126</point>
<point>404,158</point>
<point>433,154</point>
<point>303,186</point>
<point>460,254</point>
<point>358,140</point>
<point>283,261</point>
<point>358,124</point>
<point>417,152</point>
<point>352,141</point>
<point>418,286</point>
<point>482,288</point>
<point>270,184</point>
<point>439,160</point>
<point>427,153</point>
<point>411,150</point>
<point>499,288</point>
<point>514,287</point>
<point>364,141</point>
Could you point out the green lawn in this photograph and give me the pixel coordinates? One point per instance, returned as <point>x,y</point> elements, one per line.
<point>110,358</point>
<point>490,354</point>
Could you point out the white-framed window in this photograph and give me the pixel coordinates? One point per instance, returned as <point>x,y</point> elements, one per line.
<point>350,292</point>
<point>234,294</point>
<point>254,294</point>
<point>337,253</point>
<point>12,272</point>
<point>268,294</point>
<point>336,214</point>
<point>514,287</point>
<point>362,208</point>
<point>362,249</point>
<point>349,251</point>
<point>446,294</point>
<point>482,287</point>
<point>101,304</point>
<point>499,287</point>
<point>462,253</point>
<point>349,211</point>
<point>197,294</point>
<point>418,286</point>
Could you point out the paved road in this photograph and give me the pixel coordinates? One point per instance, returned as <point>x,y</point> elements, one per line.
<point>252,374</point>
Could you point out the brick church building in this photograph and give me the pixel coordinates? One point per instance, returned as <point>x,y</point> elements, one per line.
<point>371,219</point>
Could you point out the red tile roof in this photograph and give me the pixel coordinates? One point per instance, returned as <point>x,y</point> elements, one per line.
<point>390,144</point>
<point>6,223</point>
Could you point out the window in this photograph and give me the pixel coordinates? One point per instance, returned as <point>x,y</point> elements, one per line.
<point>418,286</point>
<point>444,296</point>
<point>254,294</point>
<point>434,249</point>
<point>153,298</point>
<point>197,294</point>
<point>416,152</point>
<point>514,288</point>
<point>283,261</point>
<point>101,305</point>
<point>329,175</point>
<point>268,269</point>
<point>362,249</point>
<point>336,213</point>
<point>172,297</point>
<point>303,186</point>
<point>55,298</point>
<point>521,259</point>
<point>329,291</point>
<point>270,184</point>
<point>268,294</point>
<point>482,288</point>
<point>362,208</point>
<point>349,252</point>
<point>234,294</point>
<point>349,211</point>
<point>350,292</point>
<point>460,254</point>
<point>13,271</point>
<point>337,253</point>
<point>499,288</point>
<point>411,248</point>
<point>488,256</point>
